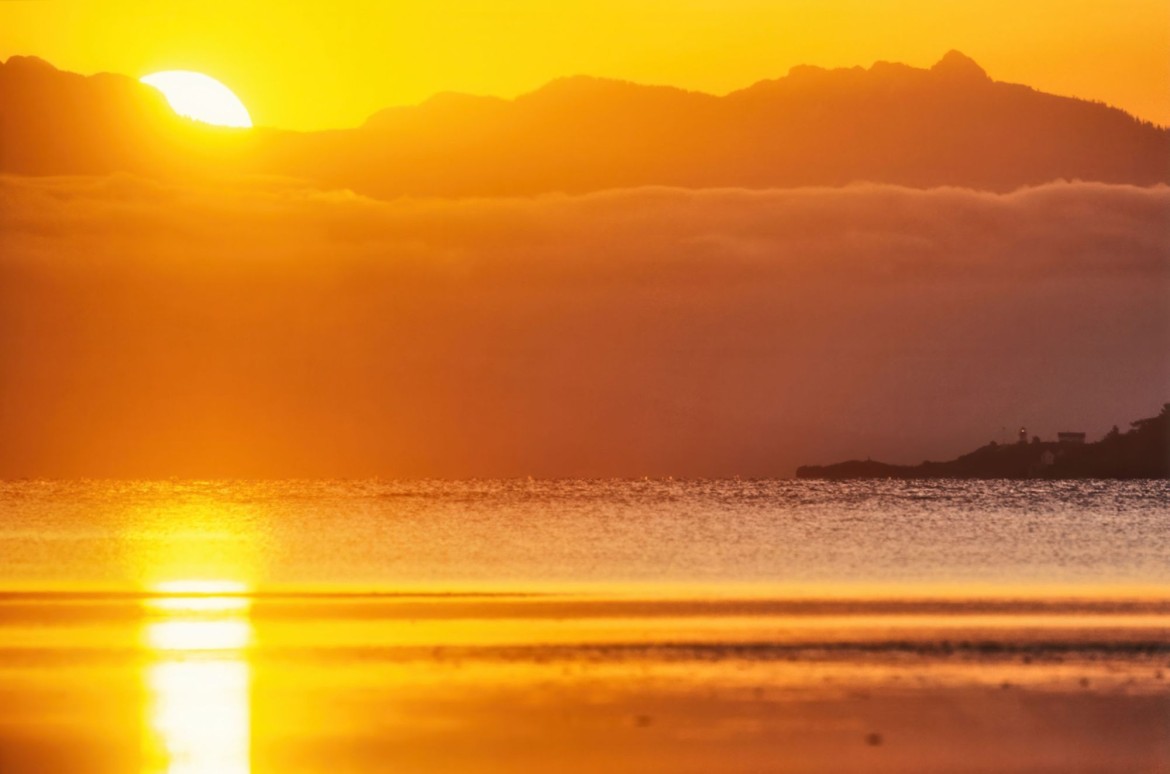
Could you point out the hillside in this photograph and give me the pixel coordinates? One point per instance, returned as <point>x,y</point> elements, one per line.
<point>1141,452</point>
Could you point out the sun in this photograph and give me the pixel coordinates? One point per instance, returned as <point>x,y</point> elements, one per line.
<point>200,97</point>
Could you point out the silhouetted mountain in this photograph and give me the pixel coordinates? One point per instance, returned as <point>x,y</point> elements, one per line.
<point>891,123</point>
<point>55,123</point>
<point>1142,452</point>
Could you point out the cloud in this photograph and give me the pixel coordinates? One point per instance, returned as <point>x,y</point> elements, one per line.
<point>260,327</point>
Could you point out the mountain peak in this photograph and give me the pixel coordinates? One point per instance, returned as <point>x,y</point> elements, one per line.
<point>582,85</point>
<point>956,64</point>
<point>28,64</point>
<point>890,124</point>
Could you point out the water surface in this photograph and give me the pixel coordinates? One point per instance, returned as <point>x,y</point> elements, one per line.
<point>624,626</point>
<point>540,535</point>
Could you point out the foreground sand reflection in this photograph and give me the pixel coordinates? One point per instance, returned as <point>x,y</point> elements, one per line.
<point>198,712</point>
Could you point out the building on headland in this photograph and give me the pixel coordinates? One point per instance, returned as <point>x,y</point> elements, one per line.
<point>1139,453</point>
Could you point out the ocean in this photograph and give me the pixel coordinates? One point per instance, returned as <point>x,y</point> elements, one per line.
<point>633,625</point>
<point>701,537</point>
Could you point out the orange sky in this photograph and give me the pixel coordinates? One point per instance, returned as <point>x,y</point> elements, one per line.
<point>333,64</point>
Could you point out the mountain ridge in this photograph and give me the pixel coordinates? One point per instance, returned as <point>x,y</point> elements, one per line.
<point>950,124</point>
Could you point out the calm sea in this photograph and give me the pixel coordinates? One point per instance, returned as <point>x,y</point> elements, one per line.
<point>517,535</point>
<point>640,626</point>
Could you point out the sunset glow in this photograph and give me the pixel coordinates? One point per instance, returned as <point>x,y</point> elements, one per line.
<point>332,65</point>
<point>197,679</point>
<point>624,386</point>
<point>201,587</point>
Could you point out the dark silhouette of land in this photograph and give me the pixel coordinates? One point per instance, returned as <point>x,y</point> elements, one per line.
<point>61,123</point>
<point>950,125</point>
<point>1141,452</point>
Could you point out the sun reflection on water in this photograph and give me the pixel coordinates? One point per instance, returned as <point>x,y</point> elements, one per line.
<point>198,680</point>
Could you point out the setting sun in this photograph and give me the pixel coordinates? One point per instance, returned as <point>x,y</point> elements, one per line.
<point>756,386</point>
<point>200,97</point>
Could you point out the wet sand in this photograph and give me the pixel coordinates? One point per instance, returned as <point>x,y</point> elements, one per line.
<point>310,683</point>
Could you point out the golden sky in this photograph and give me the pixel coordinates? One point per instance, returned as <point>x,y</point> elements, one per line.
<point>332,64</point>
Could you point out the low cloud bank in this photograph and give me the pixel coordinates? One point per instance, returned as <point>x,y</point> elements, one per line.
<point>261,328</point>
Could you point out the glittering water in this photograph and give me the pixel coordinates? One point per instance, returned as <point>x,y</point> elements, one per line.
<point>537,535</point>
<point>645,626</point>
